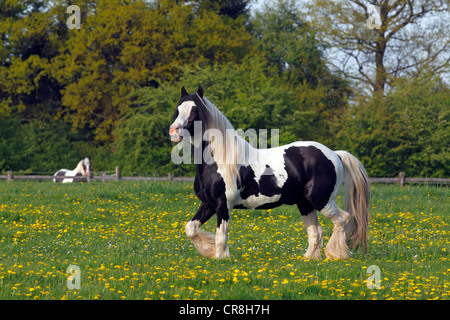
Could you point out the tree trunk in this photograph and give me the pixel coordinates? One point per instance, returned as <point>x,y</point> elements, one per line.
<point>380,73</point>
<point>380,76</point>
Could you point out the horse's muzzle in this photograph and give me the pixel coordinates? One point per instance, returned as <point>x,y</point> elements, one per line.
<point>175,133</point>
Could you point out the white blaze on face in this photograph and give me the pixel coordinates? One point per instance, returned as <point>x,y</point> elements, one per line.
<point>184,110</point>
<point>87,163</point>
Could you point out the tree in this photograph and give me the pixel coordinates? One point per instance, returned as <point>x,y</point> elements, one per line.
<point>37,146</point>
<point>230,8</point>
<point>422,105</point>
<point>121,47</point>
<point>407,131</point>
<point>295,54</point>
<point>143,143</point>
<point>371,133</point>
<point>288,43</point>
<point>11,145</point>
<point>30,36</point>
<point>409,40</point>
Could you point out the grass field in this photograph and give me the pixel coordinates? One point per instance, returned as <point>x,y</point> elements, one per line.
<point>128,240</point>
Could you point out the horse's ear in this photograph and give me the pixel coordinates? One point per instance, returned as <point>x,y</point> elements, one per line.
<point>183,92</point>
<point>200,91</point>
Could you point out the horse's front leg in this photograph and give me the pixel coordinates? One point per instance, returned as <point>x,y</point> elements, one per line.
<point>203,241</point>
<point>223,218</point>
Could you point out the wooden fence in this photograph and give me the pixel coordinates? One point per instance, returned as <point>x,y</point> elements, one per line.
<point>103,177</point>
<point>401,179</point>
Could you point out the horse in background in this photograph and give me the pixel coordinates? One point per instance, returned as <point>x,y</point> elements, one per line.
<point>83,169</point>
<point>302,173</point>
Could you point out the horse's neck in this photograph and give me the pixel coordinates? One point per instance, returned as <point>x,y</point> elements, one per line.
<point>79,168</point>
<point>246,153</point>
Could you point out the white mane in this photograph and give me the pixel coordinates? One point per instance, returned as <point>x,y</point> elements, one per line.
<point>229,152</point>
<point>80,169</point>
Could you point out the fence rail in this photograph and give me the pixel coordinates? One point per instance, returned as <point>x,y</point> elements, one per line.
<point>401,179</point>
<point>103,177</point>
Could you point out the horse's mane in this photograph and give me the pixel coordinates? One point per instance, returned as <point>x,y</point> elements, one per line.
<point>226,152</point>
<point>79,167</point>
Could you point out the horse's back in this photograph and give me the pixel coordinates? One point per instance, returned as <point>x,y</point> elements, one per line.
<point>302,158</point>
<point>62,175</point>
<point>303,172</point>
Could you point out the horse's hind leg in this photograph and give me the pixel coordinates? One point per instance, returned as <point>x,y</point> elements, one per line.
<point>337,247</point>
<point>315,233</point>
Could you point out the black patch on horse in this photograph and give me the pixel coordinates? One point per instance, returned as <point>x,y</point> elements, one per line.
<point>315,175</point>
<point>268,183</point>
<point>311,180</point>
<point>59,174</point>
<point>209,185</point>
<point>251,187</point>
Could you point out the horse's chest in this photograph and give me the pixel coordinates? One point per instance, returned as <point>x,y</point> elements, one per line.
<point>209,187</point>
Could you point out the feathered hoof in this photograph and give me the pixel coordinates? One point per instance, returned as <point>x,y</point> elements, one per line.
<point>205,243</point>
<point>225,254</point>
<point>313,256</point>
<point>342,255</point>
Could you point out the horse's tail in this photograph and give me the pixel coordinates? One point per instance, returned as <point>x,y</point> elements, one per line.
<point>356,201</point>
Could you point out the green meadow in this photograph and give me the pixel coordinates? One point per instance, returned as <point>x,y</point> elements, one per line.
<point>128,240</point>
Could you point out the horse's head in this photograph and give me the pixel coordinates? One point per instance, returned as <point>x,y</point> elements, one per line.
<point>86,166</point>
<point>191,108</point>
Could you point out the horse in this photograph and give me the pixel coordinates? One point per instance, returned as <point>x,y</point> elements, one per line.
<point>302,173</point>
<point>82,169</point>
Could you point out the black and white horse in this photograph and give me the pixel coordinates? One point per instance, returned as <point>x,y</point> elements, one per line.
<point>237,175</point>
<point>83,169</point>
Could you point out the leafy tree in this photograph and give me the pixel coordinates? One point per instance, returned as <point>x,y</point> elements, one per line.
<point>423,108</point>
<point>407,131</point>
<point>39,147</point>
<point>292,50</point>
<point>11,146</point>
<point>122,47</point>
<point>288,43</point>
<point>30,38</point>
<point>230,8</point>
<point>51,146</point>
<point>371,133</point>
<point>143,143</point>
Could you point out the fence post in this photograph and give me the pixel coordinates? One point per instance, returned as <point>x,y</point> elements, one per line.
<point>170,176</point>
<point>10,175</point>
<point>104,177</point>
<point>117,173</point>
<point>401,178</point>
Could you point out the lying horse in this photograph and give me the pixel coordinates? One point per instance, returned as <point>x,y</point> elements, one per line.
<point>83,169</point>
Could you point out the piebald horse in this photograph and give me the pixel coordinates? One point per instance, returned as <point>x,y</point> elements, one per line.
<point>82,169</point>
<point>236,175</point>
